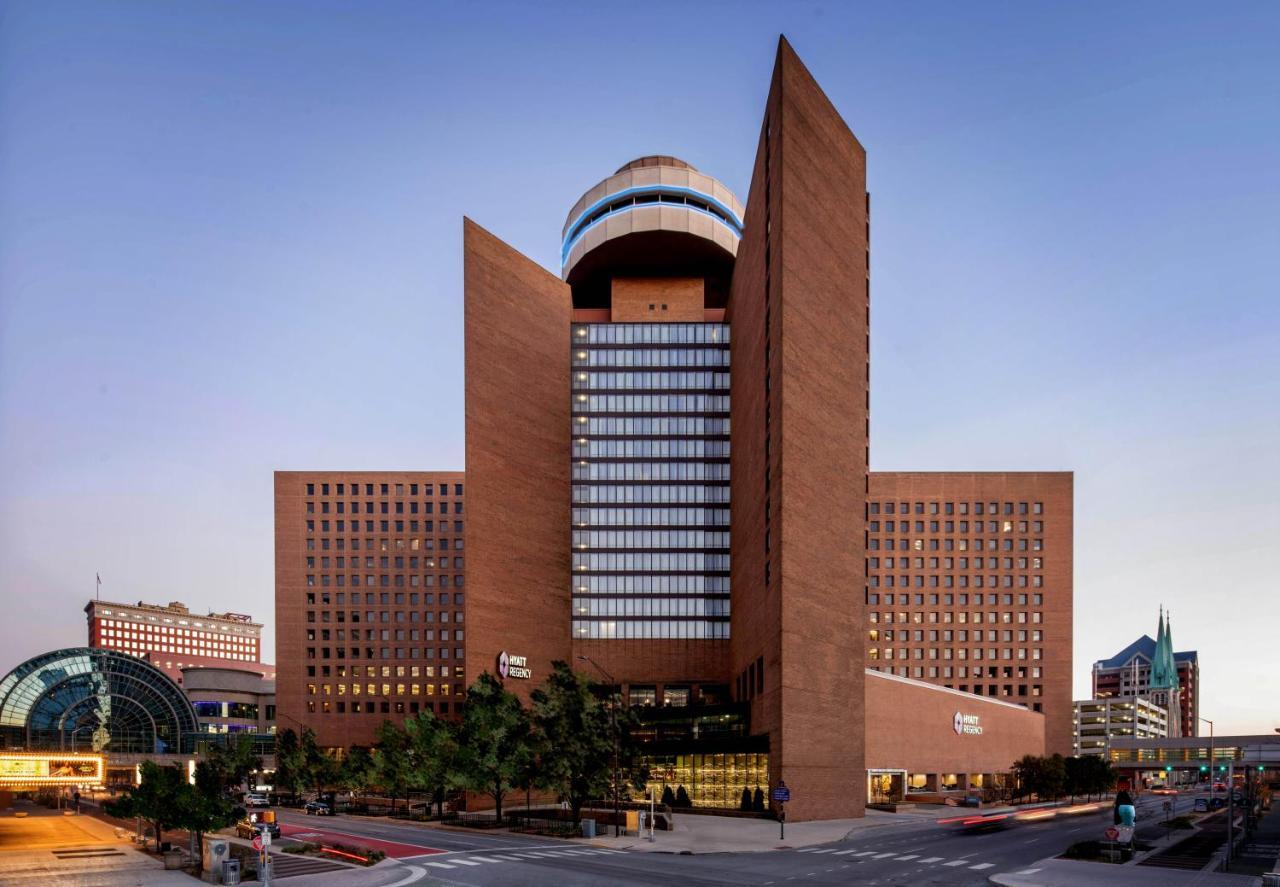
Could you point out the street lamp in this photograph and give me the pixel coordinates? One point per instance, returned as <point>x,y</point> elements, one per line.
<point>613,723</point>
<point>1210,723</point>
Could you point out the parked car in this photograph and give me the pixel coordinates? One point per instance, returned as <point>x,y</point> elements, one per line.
<point>256,799</point>
<point>319,808</point>
<point>250,827</point>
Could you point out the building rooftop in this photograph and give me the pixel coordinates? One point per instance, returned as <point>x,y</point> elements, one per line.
<point>655,160</point>
<point>1143,648</point>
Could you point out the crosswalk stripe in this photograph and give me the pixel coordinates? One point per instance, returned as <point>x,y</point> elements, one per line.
<point>866,853</point>
<point>828,850</point>
<point>533,855</point>
<point>464,862</point>
<point>909,856</point>
<point>482,859</point>
<point>956,862</point>
<point>843,852</point>
<point>982,865</point>
<point>440,865</point>
<point>883,855</point>
<point>806,850</point>
<point>508,858</point>
<point>939,859</point>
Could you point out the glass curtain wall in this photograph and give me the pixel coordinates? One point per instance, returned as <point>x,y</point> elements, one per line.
<point>650,465</point>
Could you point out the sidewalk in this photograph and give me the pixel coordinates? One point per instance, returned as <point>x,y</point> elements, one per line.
<point>721,834</point>
<point>1070,873</point>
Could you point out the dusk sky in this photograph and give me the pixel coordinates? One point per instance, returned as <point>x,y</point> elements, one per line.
<point>230,243</point>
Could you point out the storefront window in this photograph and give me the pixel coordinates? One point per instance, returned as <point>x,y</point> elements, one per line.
<point>709,780</point>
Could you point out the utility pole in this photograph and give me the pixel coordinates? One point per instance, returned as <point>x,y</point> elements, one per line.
<point>615,701</point>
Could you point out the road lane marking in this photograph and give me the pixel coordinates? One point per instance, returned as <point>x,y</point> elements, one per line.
<point>806,850</point>
<point>905,858</point>
<point>982,865</point>
<point>440,865</point>
<point>482,859</point>
<point>1027,872</point>
<point>955,862</point>
<point>932,859</point>
<point>866,853</point>
<point>828,850</point>
<point>883,855</point>
<point>843,852</point>
<point>464,862</point>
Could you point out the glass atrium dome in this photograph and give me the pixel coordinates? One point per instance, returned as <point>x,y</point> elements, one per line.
<point>82,699</point>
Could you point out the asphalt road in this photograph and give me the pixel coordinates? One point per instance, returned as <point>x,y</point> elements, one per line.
<point>912,850</point>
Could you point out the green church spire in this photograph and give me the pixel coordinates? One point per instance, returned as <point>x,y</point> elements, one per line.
<point>1164,671</point>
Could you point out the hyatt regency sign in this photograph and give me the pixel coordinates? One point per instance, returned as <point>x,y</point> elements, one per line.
<point>513,666</point>
<point>966,725</point>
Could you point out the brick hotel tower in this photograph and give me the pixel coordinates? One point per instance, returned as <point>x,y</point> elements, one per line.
<point>603,491</point>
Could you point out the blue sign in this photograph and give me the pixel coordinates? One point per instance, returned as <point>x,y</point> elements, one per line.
<point>782,794</point>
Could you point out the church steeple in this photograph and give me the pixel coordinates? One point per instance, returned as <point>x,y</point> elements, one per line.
<point>1164,671</point>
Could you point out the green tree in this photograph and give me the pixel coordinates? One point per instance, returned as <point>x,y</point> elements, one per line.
<point>288,762</point>
<point>1076,776</point>
<point>1054,777</point>
<point>433,750</point>
<point>493,739</point>
<point>1028,774</point>
<point>391,761</point>
<point>358,771</point>
<point>205,807</point>
<point>157,799</point>
<point>577,725</point>
<point>234,763</point>
<point>319,770</point>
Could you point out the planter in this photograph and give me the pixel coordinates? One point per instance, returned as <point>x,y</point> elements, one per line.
<point>173,859</point>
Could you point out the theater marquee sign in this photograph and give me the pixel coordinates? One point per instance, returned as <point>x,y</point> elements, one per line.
<point>511,666</point>
<point>966,725</point>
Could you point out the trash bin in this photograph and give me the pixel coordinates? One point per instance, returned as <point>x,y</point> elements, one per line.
<point>588,828</point>
<point>230,871</point>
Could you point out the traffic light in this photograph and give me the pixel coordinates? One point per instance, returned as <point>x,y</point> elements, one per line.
<point>1260,768</point>
<point>1204,769</point>
<point>1168,768</point>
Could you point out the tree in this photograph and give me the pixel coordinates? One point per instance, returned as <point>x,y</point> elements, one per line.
<point>745,804</point>
<point>668,796</point>
<point>1076,773</point>
<point>391,760</point>
<point>205,807</point>
<point>682,798</point>
<point>1027,772</point>
<point>157,799</point>
<point>358,771</point>
<point>579,732</point>
<point>493,740</point>
<point>1054,777</point>
<point>432,752</point>
<point>318,770</point>
<point>234,763</point>
<point>288,761</point>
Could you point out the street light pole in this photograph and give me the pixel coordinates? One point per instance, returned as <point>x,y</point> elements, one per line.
<point>1210,723</point>
<point>613,723</point>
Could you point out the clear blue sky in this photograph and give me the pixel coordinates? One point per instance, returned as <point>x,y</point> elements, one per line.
<point>229,243</point>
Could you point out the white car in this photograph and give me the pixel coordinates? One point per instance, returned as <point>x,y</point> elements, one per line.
<point>254,799</point>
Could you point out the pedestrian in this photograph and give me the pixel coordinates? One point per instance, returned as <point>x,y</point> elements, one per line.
<point>1124,812</point>
<point>76,798</point>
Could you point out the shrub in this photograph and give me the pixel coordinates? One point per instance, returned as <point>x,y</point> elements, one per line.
<point>757,803</point>
<point>745,804</point>
<point>682,798</point>
<point>668,797</point>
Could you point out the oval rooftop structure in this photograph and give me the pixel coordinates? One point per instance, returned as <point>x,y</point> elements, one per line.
<point>656,208</point>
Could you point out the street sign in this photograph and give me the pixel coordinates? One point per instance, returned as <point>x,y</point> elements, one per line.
<point>266,839</point>
<point>782,794</point>
<point>257,843</point>
<point>1111,833</point>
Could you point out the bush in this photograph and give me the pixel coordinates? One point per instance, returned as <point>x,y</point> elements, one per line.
<point>1180,822</point>
<point>745,804</point>
<point>668,797</point>
<point>757,803</point>
<point>682,798</point>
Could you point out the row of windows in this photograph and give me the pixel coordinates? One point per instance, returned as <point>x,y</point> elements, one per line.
<point>918,635</point>
<point>370,707</point>
<point>427,563</point>
<point>950,526</point>
<point>386,581</point>
<point>947,563</point>
<point>693,629</point>
<point>193,644</point>
<point>651,403</point>
<point>660,517</point>
<point>652,357</point>
<point>651,449</point>
<point>386,634</point>
<point>656,561</point>
<point>124,628</point>
<point>651,426</point>
<point>652,334</point>
<point>947,616</point>
<point>585,495</point>
<point>949,581</point>
<point>650,380</point>
<point>385,671</point>
<point>946,544</point>
<point>949,600</point>
<point>584,584</point>
<point>954,508</point>
<point>649,539</point>
<point>340,507</point>
<point>383,689</point>
<point>413,544</point>
<point>651,471</point>
<point>386,598</point>
<point>200,629</point>
<point>340,489</point>
<point>957,653</point>
<point>651,607</point>
<point>383,652</point>
<point>140,647</point>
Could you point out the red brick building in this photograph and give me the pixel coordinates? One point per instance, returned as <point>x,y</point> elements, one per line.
<point>370,599</point>
<point>172,638</point>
